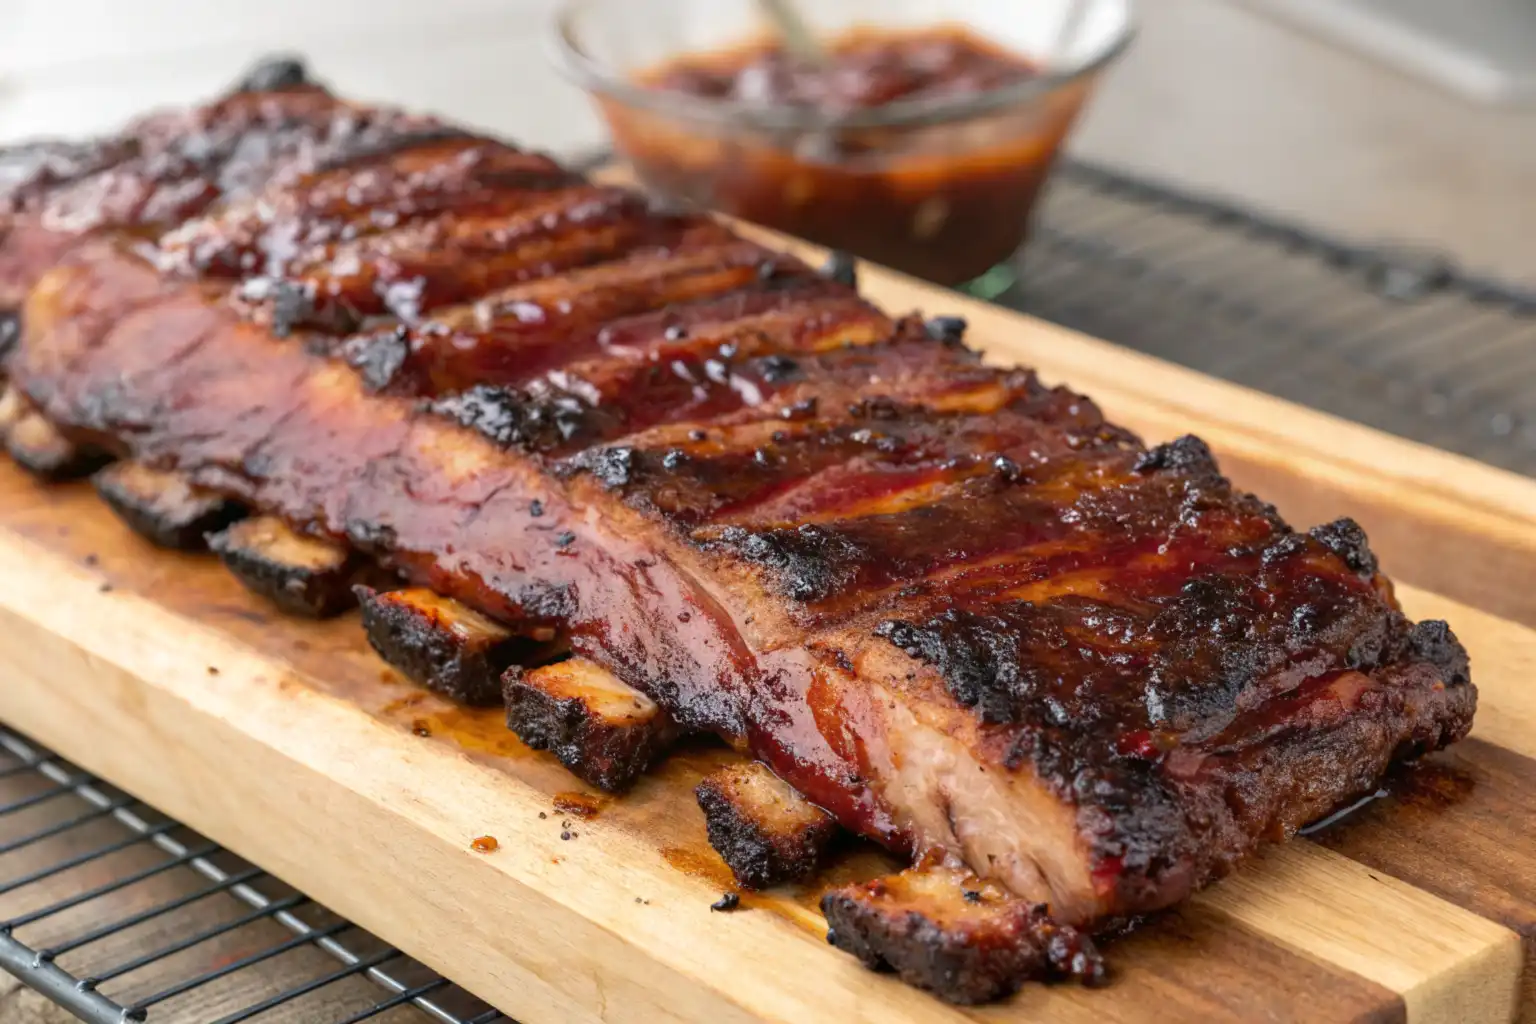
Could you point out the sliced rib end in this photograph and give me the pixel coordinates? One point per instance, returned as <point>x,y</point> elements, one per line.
<point>38,446</point>
<point>946,931</point>
<point>764,830</point>
<point>449,647</point>
<point>603,730</point>
<point>302,575</point>
<point>955,802</point>
<point>164,507</point>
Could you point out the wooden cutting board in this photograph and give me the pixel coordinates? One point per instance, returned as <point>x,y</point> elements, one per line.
<point>293,745</point>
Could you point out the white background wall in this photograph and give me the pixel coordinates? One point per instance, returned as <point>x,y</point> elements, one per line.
<point>71,66</point>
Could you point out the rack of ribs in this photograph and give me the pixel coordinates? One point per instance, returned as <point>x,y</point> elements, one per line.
<point>644,477</point>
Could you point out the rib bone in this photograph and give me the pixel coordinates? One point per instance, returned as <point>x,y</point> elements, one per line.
<point>764,830</point>
<point>946,931</point>
<point>605,731</point>
<point>447,646</point>
<point>40,448</point>
<point>164,507</point>
<point>302,575</point>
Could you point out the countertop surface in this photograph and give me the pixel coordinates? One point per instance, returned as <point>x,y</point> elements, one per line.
<point>1216,97</point>
<point>1212,96</point>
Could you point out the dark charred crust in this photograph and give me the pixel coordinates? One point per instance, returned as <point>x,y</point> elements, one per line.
<point>950,330</point>
<point>10,330</point>
<point>806,563</point>
<point>294,304</point>
<point>1277,767</point>
<point>950,933</point>
<point>604,731</point>
<point>513,419</point>
<point>1223,629</point>
<point>1287,546</point>
<point>301,575</point>
<point>776,369</point>
<point>1433,641</point>
<point>1345,538</point>
<point>765,831</point>
<point>164,507</point>
<point>1202,696</point>
<point>370,537</point>
<point>275,74</point>
<point>32,169</point>
<point>38,447</point>
<point>879,407</point>
<point>613,467</point>
<point>1187,453</point>
<point>378,357</point>
<point>425,133</point>
<point>979,658</point>
<point>843,268</point>
<point>448,647</point>
<point>545,603</point>
<point>495,413</point>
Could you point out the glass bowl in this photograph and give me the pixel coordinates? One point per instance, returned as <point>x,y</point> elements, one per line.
<point>940,187</point>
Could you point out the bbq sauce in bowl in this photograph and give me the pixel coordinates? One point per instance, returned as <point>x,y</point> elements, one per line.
<point>920,147</point>
<point>944,201</point>
<point>864,69</point>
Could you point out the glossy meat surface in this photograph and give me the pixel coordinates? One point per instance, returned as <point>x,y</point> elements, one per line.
<point>170,166</point>
<point>951,605</point>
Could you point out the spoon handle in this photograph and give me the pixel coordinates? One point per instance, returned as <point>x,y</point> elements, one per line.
<point>1066,32</point>
<point>797,36</point>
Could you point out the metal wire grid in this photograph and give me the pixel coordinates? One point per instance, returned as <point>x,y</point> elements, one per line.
<point>1394,337</point>
<point>187,919</point>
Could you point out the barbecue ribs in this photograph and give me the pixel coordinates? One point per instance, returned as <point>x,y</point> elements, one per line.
<point>951,606</point>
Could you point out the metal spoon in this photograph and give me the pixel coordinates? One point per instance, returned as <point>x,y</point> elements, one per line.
<point>814,143</point>
<point>1071,25</point>
<point>796,34</point>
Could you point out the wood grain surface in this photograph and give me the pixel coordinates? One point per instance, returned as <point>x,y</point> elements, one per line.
<point>290,743</point>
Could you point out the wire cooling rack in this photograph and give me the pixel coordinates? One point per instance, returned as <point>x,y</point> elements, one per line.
<point>1397,338</point>
<point>188,920</point>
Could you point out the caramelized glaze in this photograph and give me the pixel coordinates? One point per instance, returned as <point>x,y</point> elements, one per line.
<point>949,604</point>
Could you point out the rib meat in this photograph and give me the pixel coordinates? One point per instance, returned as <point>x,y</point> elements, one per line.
<point>952,606</point>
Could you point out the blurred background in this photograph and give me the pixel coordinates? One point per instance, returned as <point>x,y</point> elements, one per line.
<point>1284,112</point>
